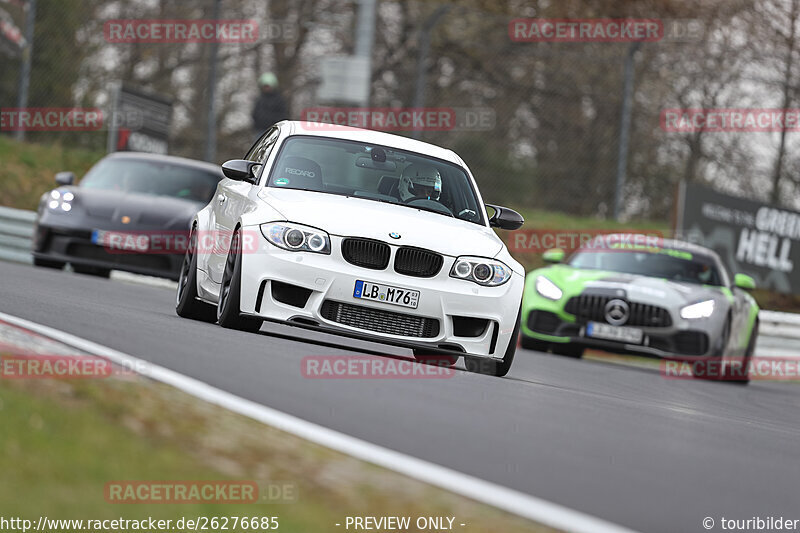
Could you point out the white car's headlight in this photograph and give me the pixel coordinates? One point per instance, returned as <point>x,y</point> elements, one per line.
<point>296,237</point>
<point>487,272</point>
<point>698,310</point>
<point>548,289</point>
<point>60,200</point>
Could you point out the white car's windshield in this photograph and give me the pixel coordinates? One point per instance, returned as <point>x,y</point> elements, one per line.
<point>376,173</point>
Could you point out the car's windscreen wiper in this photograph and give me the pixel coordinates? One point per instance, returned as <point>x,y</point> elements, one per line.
<point>431,210</point>
<point>399,203</point>
<point>371,199</point>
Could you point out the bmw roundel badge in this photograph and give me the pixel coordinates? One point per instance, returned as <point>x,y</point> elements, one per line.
<point>394,235</point>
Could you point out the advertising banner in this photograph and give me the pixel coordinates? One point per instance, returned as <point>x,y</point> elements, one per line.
<point>751,237</point>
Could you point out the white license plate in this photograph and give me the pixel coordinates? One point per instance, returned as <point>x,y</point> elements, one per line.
<point>117,240</point>
<point>366,290</point>
<point>598,330</point>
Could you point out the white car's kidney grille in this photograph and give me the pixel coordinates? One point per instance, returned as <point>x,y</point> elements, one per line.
<point>366,253</point>
<point>417,262</point>
<point>370,319</point>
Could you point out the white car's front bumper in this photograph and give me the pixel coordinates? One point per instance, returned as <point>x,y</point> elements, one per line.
<point>331,278</point>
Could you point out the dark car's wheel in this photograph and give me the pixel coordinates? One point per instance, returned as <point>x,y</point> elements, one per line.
<point>187,305</point>
<point>228,313</point>
<point>567,350</point>
<point>46,263</point>
<point>92,270</point>
<point>529,343</point>
<point>483,365</point>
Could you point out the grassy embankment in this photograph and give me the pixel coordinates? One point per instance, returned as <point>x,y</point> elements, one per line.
<point>63,441</point>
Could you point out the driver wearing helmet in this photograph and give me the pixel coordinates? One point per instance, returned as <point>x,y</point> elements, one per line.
<point>420,182</point>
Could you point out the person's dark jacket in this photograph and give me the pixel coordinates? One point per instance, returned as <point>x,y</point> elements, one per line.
<point>269,109</point>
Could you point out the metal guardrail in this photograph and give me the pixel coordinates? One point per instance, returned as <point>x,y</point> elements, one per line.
<point>780,324</point>
<point>779,334</point>
<point>16,232</point>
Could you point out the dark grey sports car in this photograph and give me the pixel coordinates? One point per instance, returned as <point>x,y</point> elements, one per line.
<point>130,212</point>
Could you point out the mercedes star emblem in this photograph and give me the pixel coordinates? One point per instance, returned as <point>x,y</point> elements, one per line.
<point>617,312</point>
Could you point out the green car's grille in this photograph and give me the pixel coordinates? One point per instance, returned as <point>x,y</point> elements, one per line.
<point>592,307</point>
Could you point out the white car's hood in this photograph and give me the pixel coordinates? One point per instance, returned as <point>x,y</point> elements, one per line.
<point>355,217</point>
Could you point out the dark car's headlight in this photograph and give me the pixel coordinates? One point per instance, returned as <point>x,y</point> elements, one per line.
<point>296,237</point>
<point>487,272</point>
<point>60,200</point>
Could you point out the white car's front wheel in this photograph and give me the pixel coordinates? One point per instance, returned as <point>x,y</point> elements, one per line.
<point>187,305</point>
<point>229,314</point>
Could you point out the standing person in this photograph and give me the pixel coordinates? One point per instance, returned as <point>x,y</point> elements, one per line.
<point>270,106</point>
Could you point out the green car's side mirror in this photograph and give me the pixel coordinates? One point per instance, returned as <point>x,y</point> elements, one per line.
<point>743,281</point>
<point>554,255</point>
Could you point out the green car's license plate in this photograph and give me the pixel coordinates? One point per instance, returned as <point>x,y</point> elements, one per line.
<point>598,330</point>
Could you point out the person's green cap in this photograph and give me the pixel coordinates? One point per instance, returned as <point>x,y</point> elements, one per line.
<point>268,78</point>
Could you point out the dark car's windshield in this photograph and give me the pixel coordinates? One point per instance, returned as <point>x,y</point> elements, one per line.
<point>377,173</point>
<point>157,178</point>
<point>674,265</point>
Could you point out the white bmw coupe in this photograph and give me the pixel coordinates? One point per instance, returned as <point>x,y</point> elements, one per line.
<point>358,233</point>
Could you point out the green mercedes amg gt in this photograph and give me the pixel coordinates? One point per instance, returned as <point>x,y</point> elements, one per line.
<point>667,299</point>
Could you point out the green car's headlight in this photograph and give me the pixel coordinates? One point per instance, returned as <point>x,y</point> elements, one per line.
<point>548,289</point>
<point>297,238</point>
<point>699,310</point>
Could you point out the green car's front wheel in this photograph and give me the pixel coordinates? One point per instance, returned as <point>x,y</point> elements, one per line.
<point>741,373</point>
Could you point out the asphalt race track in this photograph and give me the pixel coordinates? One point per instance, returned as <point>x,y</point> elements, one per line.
<point>618,442</point>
